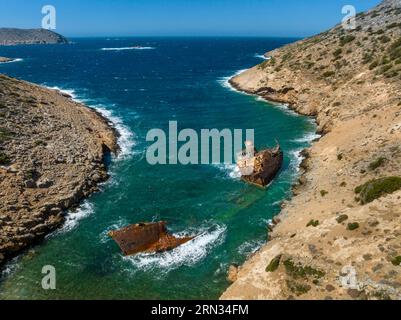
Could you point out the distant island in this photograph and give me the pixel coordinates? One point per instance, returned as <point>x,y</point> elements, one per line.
<point>13,36</point>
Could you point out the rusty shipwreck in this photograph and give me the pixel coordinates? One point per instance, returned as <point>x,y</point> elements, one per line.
<point>259,167</point>
<point>146,238</point>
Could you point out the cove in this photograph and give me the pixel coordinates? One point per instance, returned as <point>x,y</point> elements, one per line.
<point>183,80</point>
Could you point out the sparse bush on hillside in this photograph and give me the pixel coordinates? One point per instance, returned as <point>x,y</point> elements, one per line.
<point>377,163</point>
<point>375,189</point>
<point>4,159</point>
<point>346,39</point>
<point>328,74</point>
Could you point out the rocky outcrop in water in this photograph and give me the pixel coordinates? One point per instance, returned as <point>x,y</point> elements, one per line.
<point>51,157</point>
<point>12,36</point>
<point>4,60</point>
<point>339,237</point>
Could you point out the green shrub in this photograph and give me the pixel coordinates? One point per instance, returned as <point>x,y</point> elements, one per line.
<point>377,188</point>
<point>338,52</point>
<point>298,271</point>
<point>4,159</point>
<point>328,74</point>
<point>342,218</point>
<point>313,223</point>
<point>346,39</point>
<point>298,288</point>
<point>393,25</point>
<point>323,193</point>
<point>274,264</point>
<point>353,226</point>
<point>5,134</point>
<point>377,163</point>
<point>396,261</point>
<point>384,39</point>
<point>373,65</point>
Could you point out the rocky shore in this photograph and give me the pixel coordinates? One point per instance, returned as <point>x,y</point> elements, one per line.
<point>339,236</point>
<point>52,153</point>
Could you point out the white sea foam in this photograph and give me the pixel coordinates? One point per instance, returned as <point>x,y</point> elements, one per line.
<point>104,236</point>
<point>308,138</point>
<point>70,92</point>
<point>10,268</point>
<point>126,138</point>
<point>187,254</point>
<point>250,247</point>
<point>231,170</point>
<point>225,81</point>
<point>128,48</point>
<point>73,218</point>
<point>261,56</point>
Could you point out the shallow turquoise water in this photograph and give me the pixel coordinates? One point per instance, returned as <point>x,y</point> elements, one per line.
<point>184,80</point>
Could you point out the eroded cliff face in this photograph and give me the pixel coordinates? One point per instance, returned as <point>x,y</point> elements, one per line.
<point>51,157</point>
<point>350,80</point>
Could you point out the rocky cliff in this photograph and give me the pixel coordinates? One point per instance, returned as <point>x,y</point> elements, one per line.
<point>12,36</point>
<point>340,235</point>
<point>51,157</point>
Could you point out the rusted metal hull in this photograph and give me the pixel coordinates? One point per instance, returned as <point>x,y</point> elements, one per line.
<point>267,169</point>
<point>146,238</point>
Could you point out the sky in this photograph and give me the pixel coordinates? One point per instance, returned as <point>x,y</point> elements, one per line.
<point>281,18</point>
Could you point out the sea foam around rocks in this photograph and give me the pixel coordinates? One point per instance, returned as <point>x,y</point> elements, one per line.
<point>187,254</point>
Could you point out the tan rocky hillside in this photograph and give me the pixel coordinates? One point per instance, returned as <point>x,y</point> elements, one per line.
<point>51,156</point>
<point>346,210</point>
<point>14,36</point>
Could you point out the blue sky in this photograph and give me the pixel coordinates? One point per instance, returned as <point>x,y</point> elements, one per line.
<point>181,17</point>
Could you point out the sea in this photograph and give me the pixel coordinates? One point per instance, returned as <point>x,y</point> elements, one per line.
<point>140,89</point>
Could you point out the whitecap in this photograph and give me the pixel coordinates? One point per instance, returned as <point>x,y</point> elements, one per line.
<point>104,236</point>
<point>308,138</point>
<point>187,254</point>
<point>10,268</point>
<point>261,56</point>
<point>128,48</point>
<point>126,140</point>
<point>73,217</point>
<point>69,92</point>
<point>250,247</point>
<point>231,170</point>
<point>225,81</point>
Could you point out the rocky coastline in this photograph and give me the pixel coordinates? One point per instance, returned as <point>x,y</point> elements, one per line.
<point>52,156</point>
<point>338,237</point>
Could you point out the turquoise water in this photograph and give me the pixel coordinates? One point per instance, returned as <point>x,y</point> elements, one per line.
<point>178,79</point>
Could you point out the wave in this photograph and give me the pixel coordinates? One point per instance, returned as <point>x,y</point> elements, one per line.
<point>73,218</point>
<point>250,247</point>
<point>128,48</point>
<point>104,236</point>
<point>10,267</point>
<point>187,254</point>
<point>231,170</point>
<point>261,56</point>
<point>225,81</point>
<point>308,138</point>
<point>126,137</point>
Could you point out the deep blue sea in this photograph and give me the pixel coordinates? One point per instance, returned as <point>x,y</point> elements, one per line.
<point>173,79</point>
